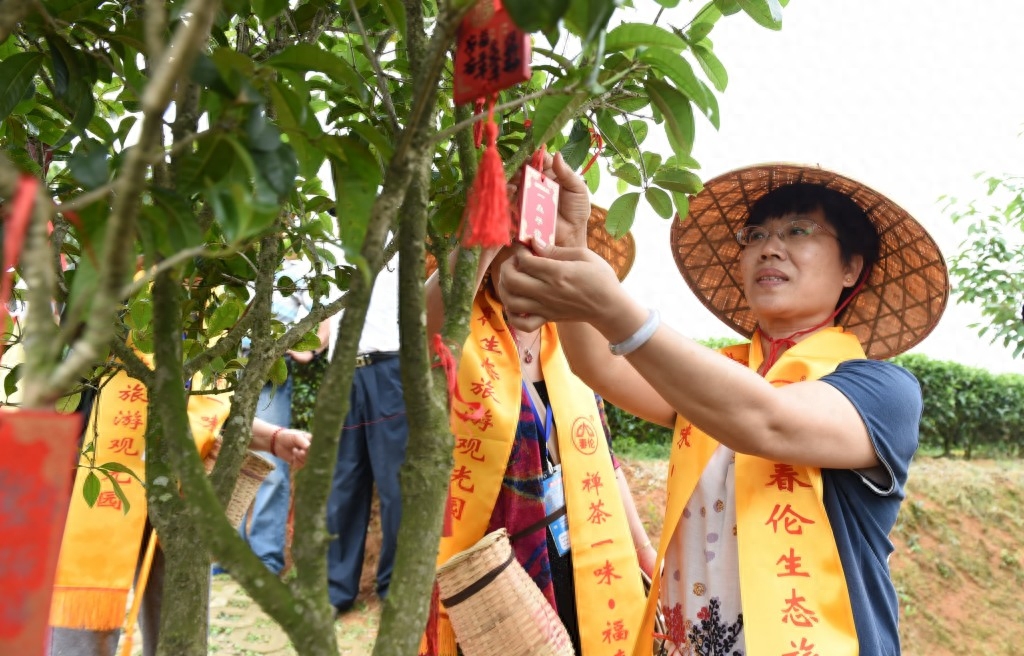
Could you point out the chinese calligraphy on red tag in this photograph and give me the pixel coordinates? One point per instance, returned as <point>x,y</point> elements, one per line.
<point>492,53</point>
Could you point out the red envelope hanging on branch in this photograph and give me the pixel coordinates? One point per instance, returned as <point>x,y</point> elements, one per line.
<point>492,54</point>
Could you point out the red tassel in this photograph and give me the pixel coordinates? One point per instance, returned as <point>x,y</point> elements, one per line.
<point>428,645</point>
<point>447,362</point>
<point>595,140</point>
<point>487,208</point>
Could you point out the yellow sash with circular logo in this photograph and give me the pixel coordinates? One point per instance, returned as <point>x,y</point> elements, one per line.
<point>609,589</point>
<point>792,587</point>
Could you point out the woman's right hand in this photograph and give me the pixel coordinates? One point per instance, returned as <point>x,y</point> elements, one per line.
<point>560,284</point>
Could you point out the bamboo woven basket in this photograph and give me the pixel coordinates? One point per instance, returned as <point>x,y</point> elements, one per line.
<point>254,469</point>
<point>495,607</point>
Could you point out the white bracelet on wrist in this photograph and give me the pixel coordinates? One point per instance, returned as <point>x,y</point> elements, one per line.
<point>640,337</point>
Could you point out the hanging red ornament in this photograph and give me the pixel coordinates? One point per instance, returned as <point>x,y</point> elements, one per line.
<point>488,222</point>
<point>491,53</point>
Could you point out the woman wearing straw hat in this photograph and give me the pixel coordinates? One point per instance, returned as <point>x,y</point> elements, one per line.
<point>789,455</point>
<point>526,432</point>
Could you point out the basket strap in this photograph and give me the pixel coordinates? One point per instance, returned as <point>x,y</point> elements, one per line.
<point>539,524</point>
<point>479,584</point>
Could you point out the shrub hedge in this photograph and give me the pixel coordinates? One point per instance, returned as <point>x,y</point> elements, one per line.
<point>968,412</point>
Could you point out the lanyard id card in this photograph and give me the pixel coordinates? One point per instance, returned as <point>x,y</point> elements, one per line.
<point>554,501</point>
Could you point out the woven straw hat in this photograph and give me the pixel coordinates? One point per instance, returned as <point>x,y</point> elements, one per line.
<point>495,607</point>
<point>620,252</point>
<point>898,307</point>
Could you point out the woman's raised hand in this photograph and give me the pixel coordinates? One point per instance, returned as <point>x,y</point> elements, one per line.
<point>573,202</point>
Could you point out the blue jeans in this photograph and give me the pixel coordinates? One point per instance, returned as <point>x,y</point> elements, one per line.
<point>269,513</point>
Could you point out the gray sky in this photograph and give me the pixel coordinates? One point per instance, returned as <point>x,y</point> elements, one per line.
<point>912,97</point>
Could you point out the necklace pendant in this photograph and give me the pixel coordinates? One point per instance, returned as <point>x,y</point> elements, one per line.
<point>528,358</point>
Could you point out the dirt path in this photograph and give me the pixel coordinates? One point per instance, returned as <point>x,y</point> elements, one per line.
<point>958,567</point>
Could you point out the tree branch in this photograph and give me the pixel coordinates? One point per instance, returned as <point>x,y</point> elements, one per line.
<point>448,133</point>
<point>382,80</point>
<point>189,39</point>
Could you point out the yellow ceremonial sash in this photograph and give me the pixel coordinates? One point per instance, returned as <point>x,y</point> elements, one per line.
<point>100,547</point>
<point>609,589</point>
<point>792,587</point>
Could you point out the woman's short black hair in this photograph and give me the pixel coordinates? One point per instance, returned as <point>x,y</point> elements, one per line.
<point>855,232</point>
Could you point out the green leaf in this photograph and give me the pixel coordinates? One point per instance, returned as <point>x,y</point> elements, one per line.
<point>637,130</point>
<point>660,201</point>
<point>307,342</point>
<point>373,136</point>
<point>91,488</point>
<point>68,403</point>
<point>767,13</point>
<point>61,74</point>
<point>176,218</point>
<point>675,179</point>
<point>681,73</point>
<point>278,168</point>
<point>11,380</point>
<point>394,10</point>
<point>727,7</point>
<point>612,132</point>
<point>278,372</point>
<point>651,161</point>
<point>630,173</point>
<point>140,314</point>
<point>682,203</point>
<point>305,57</point>
<point>577,148</point>
<point>635,35</point>
<point>88,164</point>
<point>713,68</point>
<point>121,469</point>
<point>675,109</point>
<point>588,18</point>
<point>592,177</point>
<point>224,316</point>
<point>125,504</point>
<point>356,179</point>
<point>547,112</point>
<point>533,16</point>
<point>622,213</point>
<point>267,9</point>
<point>210,163</point>
<point>85,110</point>
<point>16,75</point>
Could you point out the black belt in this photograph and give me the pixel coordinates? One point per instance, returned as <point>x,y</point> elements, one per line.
<point>367,359</point>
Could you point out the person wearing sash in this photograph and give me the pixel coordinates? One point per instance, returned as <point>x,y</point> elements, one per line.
<point>790,454</point>
<point>532,455</point>
<point>102,546</point>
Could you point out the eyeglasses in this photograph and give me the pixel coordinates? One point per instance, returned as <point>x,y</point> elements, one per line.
<point>796,231</point>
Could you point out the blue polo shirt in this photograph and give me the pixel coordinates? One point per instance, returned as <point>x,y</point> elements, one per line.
<point>862,505</point>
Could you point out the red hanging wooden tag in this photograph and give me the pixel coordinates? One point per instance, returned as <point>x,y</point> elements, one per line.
<point>491,54</point>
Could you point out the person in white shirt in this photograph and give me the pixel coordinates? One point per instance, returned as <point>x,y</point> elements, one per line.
<point>372,449</point>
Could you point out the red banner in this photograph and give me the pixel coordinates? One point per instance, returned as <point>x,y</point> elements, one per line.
<point>38,449</point>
